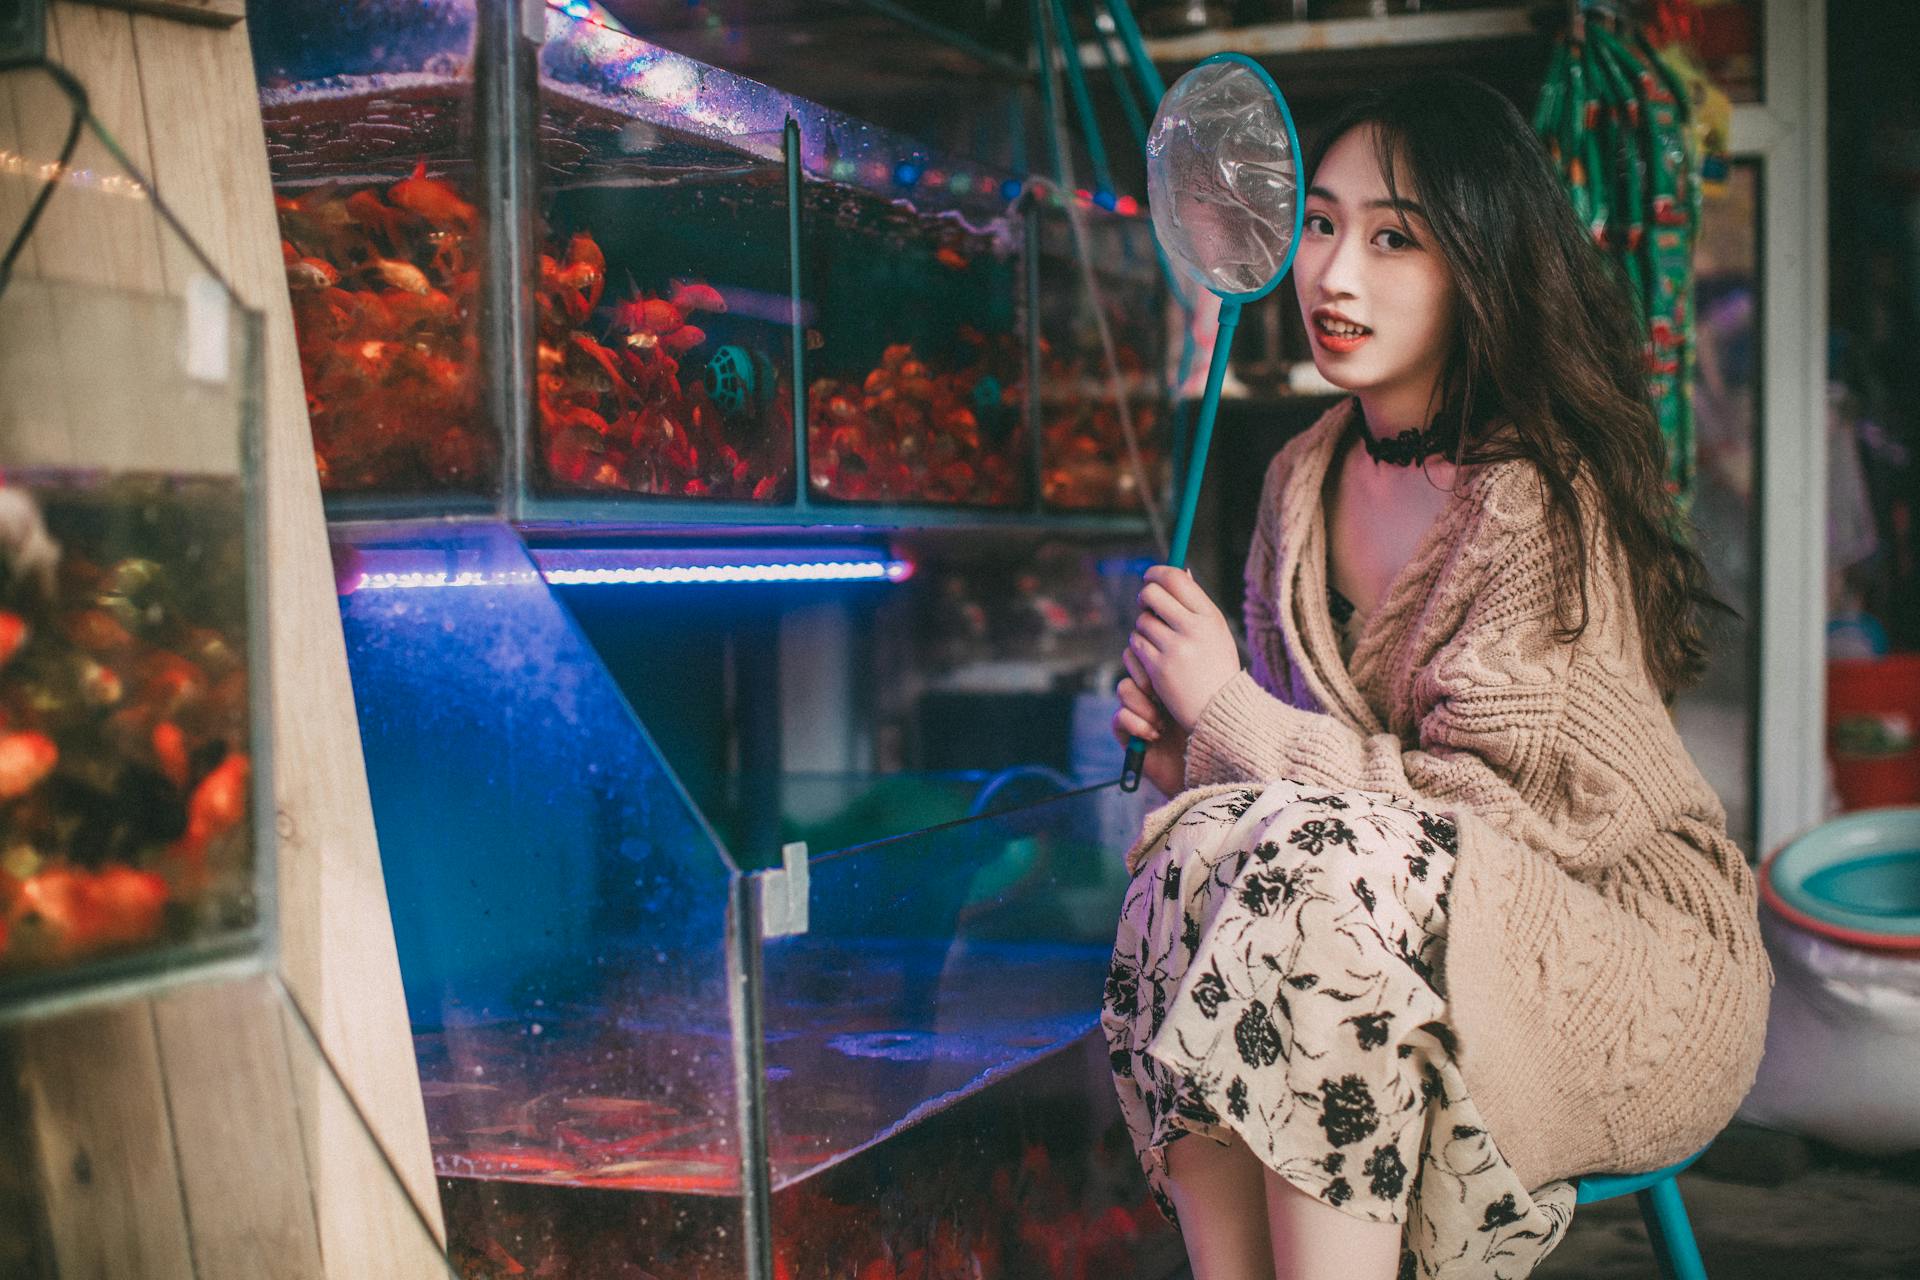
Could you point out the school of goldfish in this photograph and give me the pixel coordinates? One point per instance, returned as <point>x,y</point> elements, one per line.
<point>1084,460</point>
<point>385,290</point>
<point>123,769</point>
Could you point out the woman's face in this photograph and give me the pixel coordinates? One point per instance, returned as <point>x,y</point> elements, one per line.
<point>1376,295</point>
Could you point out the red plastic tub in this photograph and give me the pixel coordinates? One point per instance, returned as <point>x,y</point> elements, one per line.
<point>1873,729</point>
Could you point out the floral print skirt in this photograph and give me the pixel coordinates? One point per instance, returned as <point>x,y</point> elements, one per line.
<point>1278,975</point>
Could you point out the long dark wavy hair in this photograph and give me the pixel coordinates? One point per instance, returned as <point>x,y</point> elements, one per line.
<point>1547,340</point>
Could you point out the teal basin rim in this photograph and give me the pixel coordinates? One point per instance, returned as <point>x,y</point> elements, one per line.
<point>1855,878</point>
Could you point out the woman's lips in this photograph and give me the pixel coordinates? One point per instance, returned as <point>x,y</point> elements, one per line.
<point>1338,344</point>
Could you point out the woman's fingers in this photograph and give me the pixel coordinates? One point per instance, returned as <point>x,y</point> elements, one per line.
<point>1158,633</point>
<point>1156,599</point>
<point>1135,698</point>
<point>1127,725</point>
<point>1179,584</point>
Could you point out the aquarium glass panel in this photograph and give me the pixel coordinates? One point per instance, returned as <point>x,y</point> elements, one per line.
<point>1105,423</point>
<point>913,299</point>
<point>132,843</point>
<point>560,909</point>
<point>369,113</point>
<point>665,357</point>
<point>935,1076</point>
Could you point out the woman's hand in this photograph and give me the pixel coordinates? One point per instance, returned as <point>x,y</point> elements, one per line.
<point>1182,643</point>
<point>1141,717</point>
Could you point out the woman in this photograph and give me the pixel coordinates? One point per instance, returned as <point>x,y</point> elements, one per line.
<point>1445,915</point>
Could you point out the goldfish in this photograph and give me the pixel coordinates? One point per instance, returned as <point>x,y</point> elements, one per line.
<point>432,199</point>
<point>583,249</point>
<point>100,686</point>
<point>685,338</point>
<point>170,751</point>
<point>370,211</point>
<point>218,802</point>
<point>694,296</point>
<point>950,258</point>
<point>13,635</point>
<point>311,273</point>
<point>26,758</point>
<point>96,631</point>
<point>401,275</point>
<point>128,903</point>
<point>498,1255</point>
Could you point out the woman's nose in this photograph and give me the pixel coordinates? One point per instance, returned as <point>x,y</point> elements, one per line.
<point>1340,269</point>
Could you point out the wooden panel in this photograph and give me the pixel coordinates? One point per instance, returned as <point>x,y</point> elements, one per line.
<point>91,1089</point>
<point>337,951</point>
<point>217,12</point>
<point>180,98</point>
<point>236,1136</point>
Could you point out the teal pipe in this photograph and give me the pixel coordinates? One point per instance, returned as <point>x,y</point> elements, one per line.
<point>1136,122</point>
<point>1190,489</point>
<point>1049,93</point>
<point>1155,88</point>
<point>1083,103</point>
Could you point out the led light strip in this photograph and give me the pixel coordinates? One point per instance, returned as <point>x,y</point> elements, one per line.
<point>721,574</point>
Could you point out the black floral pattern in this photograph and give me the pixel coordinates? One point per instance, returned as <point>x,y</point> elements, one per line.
<point>1386,1172</point>
<point>1370,1029</point>
<point>1210,992</point>
<point>1347,1111</point>
<point>1257,1038</point>
<point>1317,835</point>
<point>1263,989</point>
<point>1440,829</point>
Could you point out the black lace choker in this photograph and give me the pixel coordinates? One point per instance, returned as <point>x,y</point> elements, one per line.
<point>1411,448</point>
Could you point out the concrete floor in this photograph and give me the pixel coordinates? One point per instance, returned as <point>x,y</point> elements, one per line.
<point>1831,1216</point>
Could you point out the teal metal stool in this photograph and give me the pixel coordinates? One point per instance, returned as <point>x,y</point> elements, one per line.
<point>1661,1209</point>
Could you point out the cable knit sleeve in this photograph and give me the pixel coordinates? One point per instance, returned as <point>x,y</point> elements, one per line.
<point>1538,737</point>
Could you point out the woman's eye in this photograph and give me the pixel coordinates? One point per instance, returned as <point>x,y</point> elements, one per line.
<point>1388,238</point>
<point>1319,224</point>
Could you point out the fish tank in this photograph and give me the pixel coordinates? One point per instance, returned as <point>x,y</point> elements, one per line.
<point>1106,429</point>
<point>574,278</point>
<point>374,140</point>
<point>646,1043</point>
<point>134,788</point>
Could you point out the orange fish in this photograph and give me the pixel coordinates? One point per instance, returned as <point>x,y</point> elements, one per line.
<point>694,296</point>
<point>13,634</point>
<point>100,686</point>
<point>604,358</point>
<point>170,749</point>
<point>370,211</point>
<point>129,903</point>
<point>950,258</point>
<point>96,631</point>
<point>685,338</point>
<point>498,1255</point>
<point>25,759</point>
<point>218,802</point>
<point>582,248</point>
<point>432,199</point>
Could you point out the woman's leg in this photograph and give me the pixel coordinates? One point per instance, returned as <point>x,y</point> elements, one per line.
<point>1222,1205</point>
<point>1312,1240</point>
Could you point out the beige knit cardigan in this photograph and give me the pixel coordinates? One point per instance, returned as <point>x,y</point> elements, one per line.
<point>1604,971</point>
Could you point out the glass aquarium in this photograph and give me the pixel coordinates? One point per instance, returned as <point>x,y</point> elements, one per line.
<point>374,146</point>
<point>685,289</point>
<point>1105,423</point>
<point>638,1052</point>
<point>133,787</point>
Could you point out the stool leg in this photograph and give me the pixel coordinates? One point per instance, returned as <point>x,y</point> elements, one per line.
<point>1669,1232</point>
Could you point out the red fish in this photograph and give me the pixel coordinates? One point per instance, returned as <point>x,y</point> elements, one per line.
<point>370,211</point>
<point>170,750</point>
<point>950,258</point>
<point>25,759</point>
<point>432,199</point>
<point>582,248</point>
<point>683,339</point>
<point>693,296</point>
<point>129,903</point>
<point>217,804</point>
<point>605,359</point>
<point>13,634</point>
